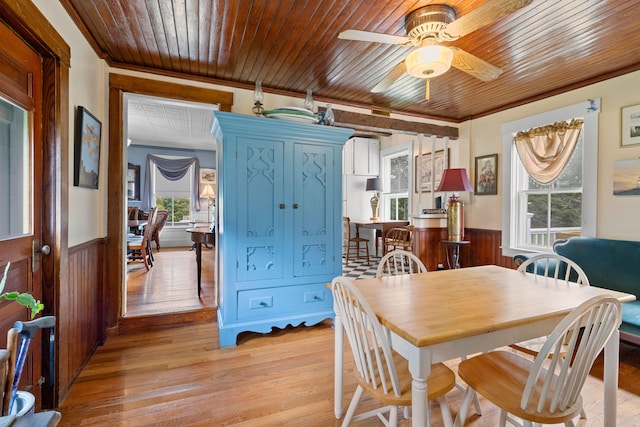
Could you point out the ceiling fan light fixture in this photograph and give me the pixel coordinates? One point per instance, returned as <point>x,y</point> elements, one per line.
<point>429,61</point>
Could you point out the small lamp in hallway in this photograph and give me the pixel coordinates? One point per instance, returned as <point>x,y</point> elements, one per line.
<point>209,194</point>
<point>375,185</point>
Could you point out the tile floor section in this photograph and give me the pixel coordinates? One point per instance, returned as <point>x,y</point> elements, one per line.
<point>358,269</point>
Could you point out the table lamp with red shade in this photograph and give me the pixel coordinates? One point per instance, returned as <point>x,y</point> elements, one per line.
<point>455,180</point>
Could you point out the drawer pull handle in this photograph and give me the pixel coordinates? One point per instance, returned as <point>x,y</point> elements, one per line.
<point>281,205</point>
<point>295,206</point>
<point>263,304</point>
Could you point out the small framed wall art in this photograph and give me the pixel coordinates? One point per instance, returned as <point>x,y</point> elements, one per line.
<point>630,125</point>
<point>133,182</point>
<point>626,178</point>
<point>431,166</point>
<point>87,150</point>
<point>207,176</point>
<point>486,175</point>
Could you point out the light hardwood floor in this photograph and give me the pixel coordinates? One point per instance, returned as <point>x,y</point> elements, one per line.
<point>170,286</point>
<point>181,377</point>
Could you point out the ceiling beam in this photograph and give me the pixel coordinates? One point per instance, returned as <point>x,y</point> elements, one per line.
<point>371,124</point>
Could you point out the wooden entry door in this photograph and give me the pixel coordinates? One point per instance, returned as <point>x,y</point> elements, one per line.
<point>21,171</point>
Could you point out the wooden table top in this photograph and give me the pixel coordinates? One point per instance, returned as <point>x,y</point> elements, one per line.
<point>441,306</point>
<point>204,230</point>
<point>379,223</point>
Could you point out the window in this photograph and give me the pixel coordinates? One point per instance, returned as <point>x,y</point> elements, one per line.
<point>535,214</point>
<point>395,172</point>
<point>15,169</point>
<point>173,196</point>
<point>548,211</point>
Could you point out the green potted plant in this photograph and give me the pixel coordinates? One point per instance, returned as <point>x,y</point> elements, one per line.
<point>25,298</point>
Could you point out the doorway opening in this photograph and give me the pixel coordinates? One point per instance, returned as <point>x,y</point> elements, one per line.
<point>121,86</point>
<point>172,131</point>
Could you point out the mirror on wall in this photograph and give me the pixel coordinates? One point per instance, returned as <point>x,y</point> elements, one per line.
<point>133,182</point>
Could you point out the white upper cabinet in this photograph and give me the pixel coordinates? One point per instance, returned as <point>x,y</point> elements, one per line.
<point>362,157</point>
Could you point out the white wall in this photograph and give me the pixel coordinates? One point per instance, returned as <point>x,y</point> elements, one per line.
<point>458,157</point>
<point>617,216</point>
<point>88,87</point>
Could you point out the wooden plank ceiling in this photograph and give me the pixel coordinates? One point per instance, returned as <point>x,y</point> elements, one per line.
<point>545,48</point>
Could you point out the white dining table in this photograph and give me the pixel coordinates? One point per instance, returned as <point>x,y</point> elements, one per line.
<point>443,315</point>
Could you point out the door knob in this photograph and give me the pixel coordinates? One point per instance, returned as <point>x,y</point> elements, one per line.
<point>36,251</point>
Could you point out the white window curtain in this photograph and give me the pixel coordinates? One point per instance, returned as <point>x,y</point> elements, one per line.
<point>173,170</point>
<point>545,151</point>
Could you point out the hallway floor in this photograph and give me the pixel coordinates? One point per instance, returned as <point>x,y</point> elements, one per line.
<point>171,284</point>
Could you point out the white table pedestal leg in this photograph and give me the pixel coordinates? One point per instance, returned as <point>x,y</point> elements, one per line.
<point>419,402</point>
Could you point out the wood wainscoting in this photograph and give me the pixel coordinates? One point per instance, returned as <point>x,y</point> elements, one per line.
<point>81,326</point>
<point>484,249</point>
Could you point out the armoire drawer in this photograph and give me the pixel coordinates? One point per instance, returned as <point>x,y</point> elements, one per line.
<point>282,301</point>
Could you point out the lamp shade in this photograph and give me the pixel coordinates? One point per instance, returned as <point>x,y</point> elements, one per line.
<point>208,192</point>
<point>455,180</point>
<point>374,184</point>
<point>429,61</point>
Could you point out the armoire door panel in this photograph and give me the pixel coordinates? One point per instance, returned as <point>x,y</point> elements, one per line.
<point>313,194</point>
<point>260,179</point>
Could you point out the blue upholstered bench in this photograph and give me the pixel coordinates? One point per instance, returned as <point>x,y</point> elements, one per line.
<point>611,264</point>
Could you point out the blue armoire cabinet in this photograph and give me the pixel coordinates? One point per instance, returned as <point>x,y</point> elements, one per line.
<point>279,222</point>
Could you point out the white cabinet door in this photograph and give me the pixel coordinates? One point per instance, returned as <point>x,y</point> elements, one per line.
<point>374,157</point>
<point>362,157</point>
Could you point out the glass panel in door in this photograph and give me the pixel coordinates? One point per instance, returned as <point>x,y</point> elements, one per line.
<point>15,204</point>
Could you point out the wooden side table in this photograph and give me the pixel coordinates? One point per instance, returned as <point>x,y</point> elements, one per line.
<point>200,235</point>
<point>454,258</point>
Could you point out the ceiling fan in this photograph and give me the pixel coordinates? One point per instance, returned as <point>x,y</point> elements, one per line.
<point>429,26</point>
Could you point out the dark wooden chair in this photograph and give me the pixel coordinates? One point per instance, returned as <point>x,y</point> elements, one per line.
<point>161,220</point>
<point>399,238</point>
<point>138,247</point>
<point>353,243</point>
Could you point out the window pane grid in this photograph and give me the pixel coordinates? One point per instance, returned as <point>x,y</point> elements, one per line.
<point>399,174</point>
<point>398,210</point>
<point>546,212</point>
<point>395,174</point>
<point>173,196</point>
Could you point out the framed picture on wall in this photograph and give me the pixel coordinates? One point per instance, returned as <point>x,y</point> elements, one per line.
<point>207,176</point>
<point>431,166</point>
<point>86,169</point>
<point>486,175</point>
<point>630,126</point>
<point>626,178</point>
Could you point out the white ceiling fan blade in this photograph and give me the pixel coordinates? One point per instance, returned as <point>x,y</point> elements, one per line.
<point>368,36</point>
<point>474,66</point>
<point>397,72</point>
<point>483,15</point>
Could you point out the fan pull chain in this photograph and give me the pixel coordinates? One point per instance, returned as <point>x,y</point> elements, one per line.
<point>428,90</point>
